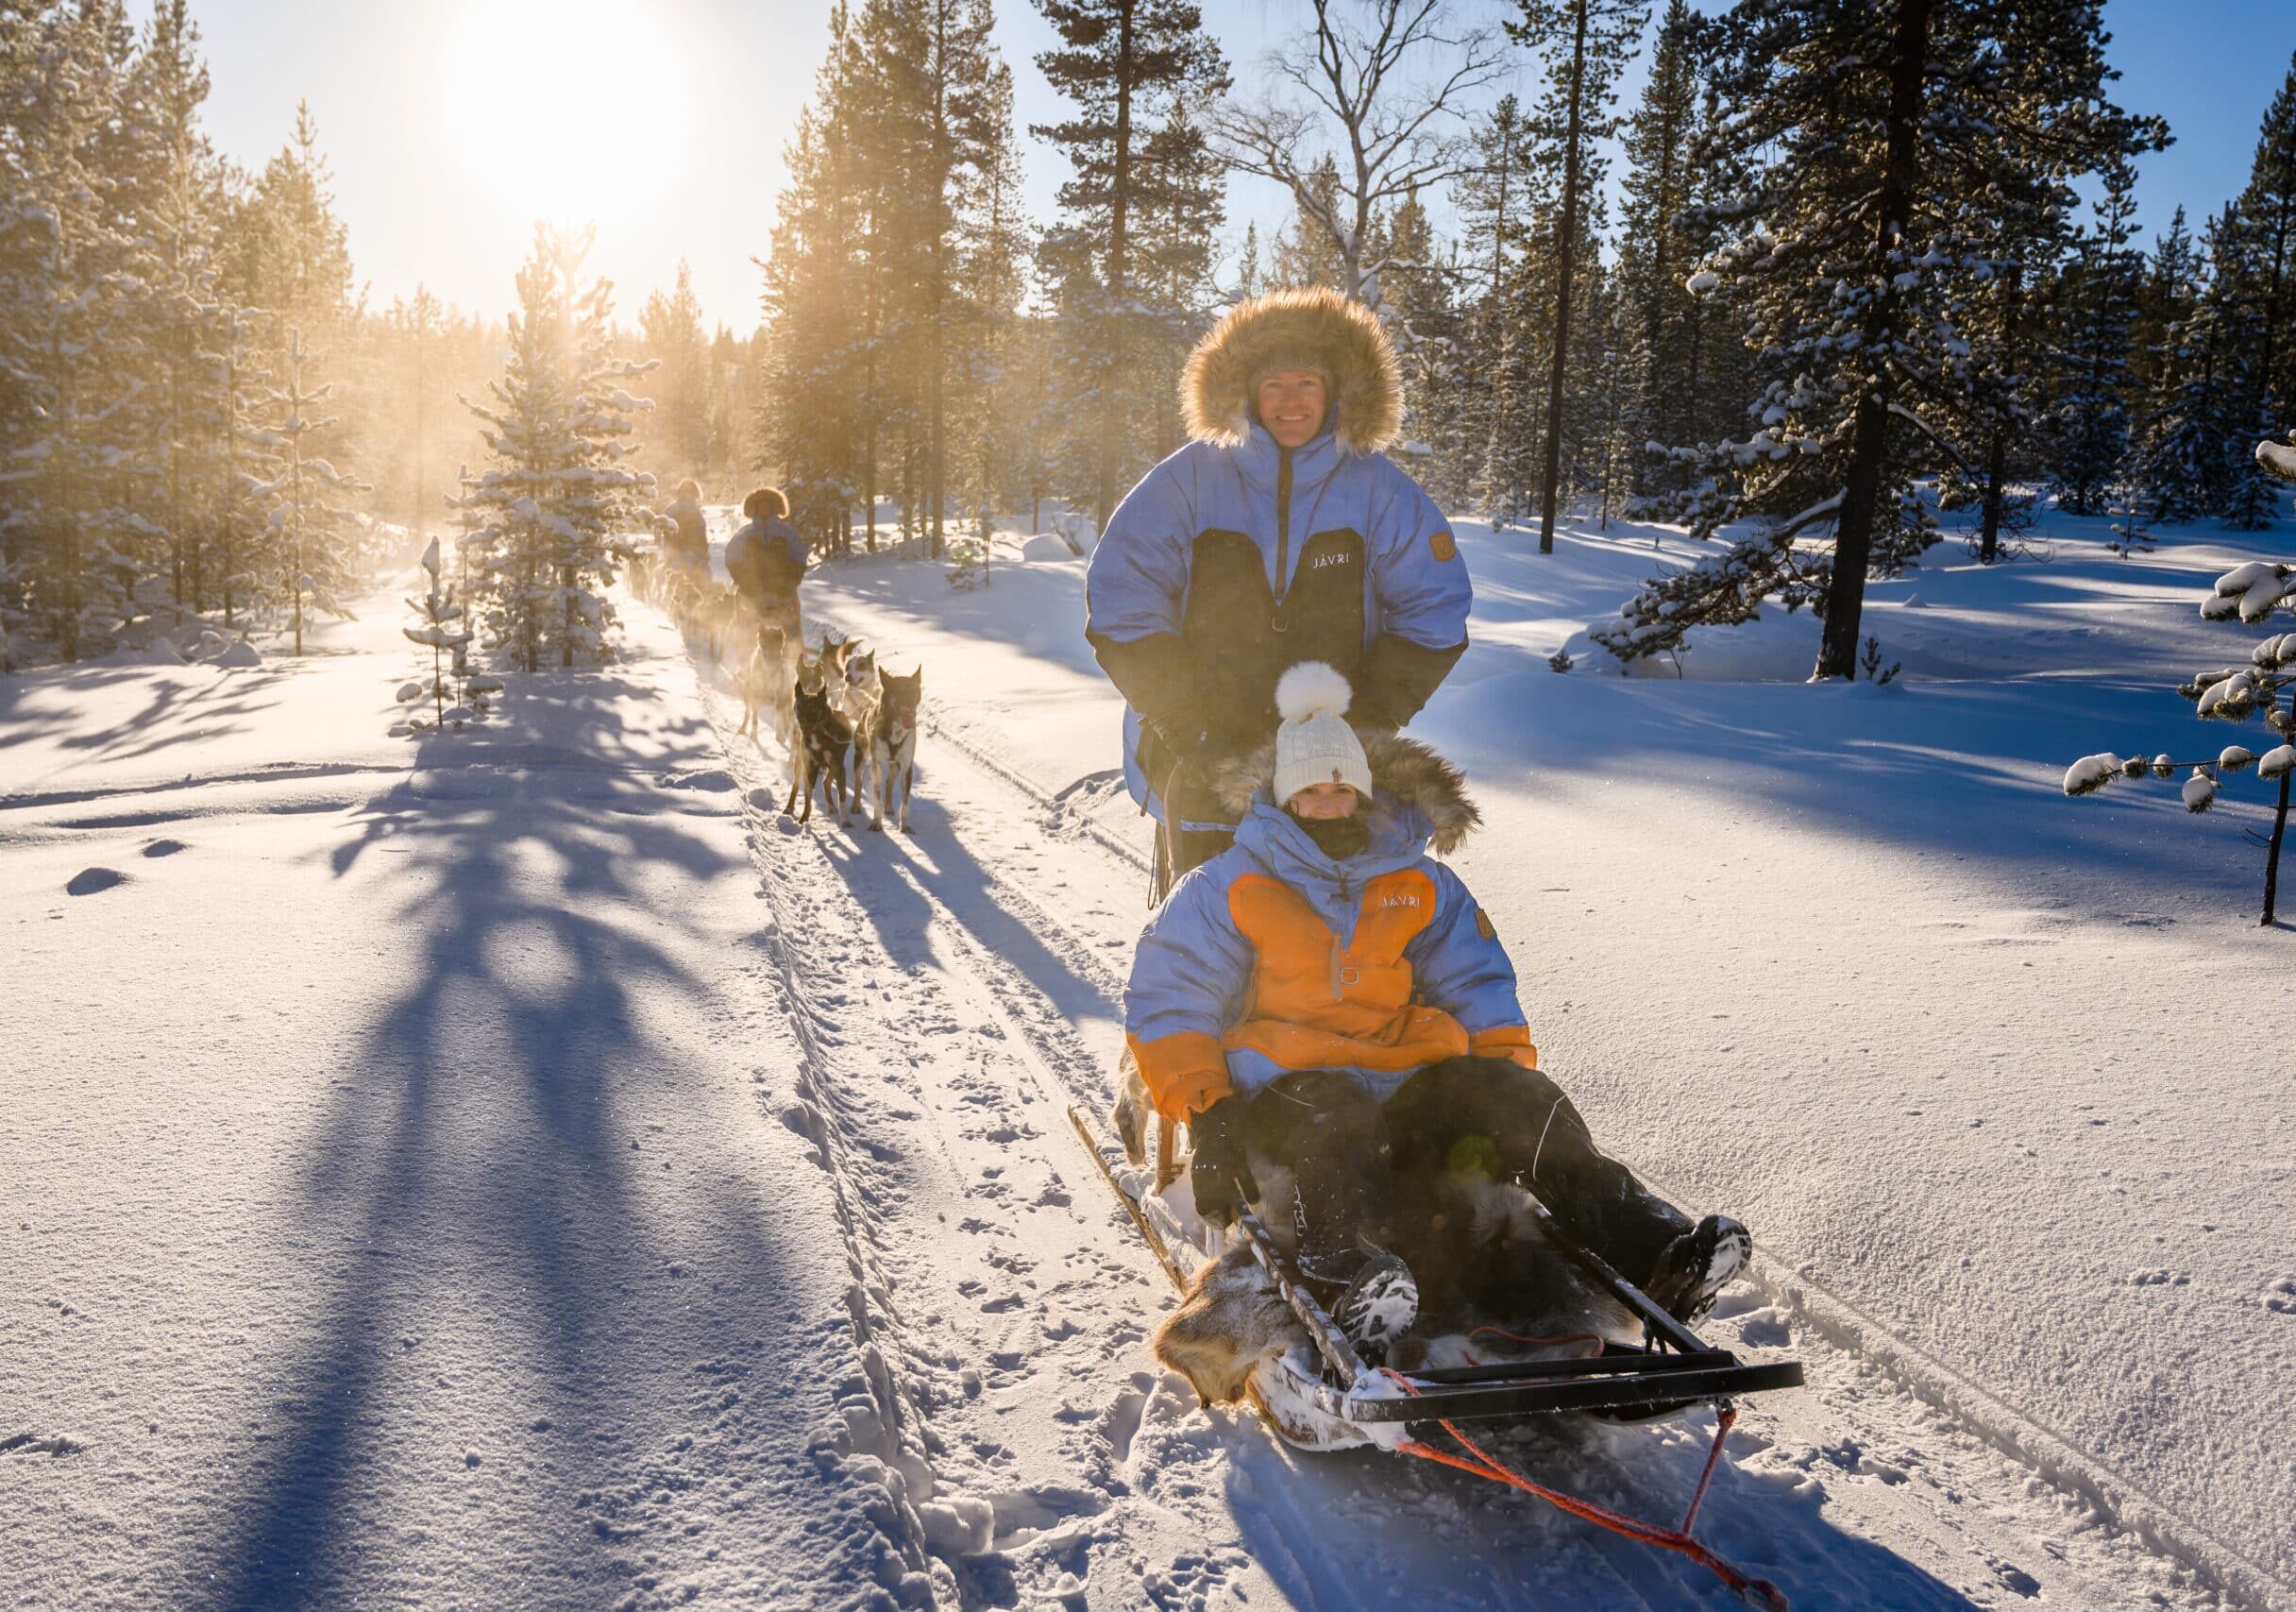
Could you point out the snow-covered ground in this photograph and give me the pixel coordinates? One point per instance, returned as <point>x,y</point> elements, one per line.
<point>515,1168</point>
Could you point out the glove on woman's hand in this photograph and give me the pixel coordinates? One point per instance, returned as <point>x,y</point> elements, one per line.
<point>1219,1173</point>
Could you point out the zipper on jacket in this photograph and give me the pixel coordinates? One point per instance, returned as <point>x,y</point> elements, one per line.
<point>1283,527</point>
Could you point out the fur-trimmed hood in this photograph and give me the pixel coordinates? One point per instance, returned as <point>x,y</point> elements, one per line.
<point>1409,777</point>
<point>1315,328</point>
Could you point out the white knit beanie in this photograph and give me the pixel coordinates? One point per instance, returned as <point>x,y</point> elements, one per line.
<point>1315,745</point>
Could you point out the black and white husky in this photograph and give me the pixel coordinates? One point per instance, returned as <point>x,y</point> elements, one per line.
<point>886,744</point>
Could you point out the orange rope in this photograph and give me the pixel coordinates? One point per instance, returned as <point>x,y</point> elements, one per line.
<point>1678,1540</point>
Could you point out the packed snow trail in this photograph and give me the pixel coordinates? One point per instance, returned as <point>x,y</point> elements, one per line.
<point>957,990</point>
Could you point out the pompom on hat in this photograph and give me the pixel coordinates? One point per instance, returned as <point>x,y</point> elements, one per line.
<point>1314,744</point>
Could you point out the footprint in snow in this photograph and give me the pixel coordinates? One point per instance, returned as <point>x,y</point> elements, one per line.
<point>2280,1298</point>
<point>88,881</point>
<point>164,847</point>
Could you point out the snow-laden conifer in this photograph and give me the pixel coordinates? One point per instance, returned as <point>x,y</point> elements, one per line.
<point>559,426</point>
<point>312,559</point>
<point>2265,687</point>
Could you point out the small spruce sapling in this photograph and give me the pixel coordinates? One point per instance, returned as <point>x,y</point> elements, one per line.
<point>445,629</point>
<point>1871,661</point>
<point>2266,688</point>
<point>968,559</point>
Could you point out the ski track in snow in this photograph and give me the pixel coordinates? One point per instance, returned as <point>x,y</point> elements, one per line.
<point>952,994</point>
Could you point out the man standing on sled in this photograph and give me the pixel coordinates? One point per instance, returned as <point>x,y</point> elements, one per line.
<point>1281,534</point>
<point>1327,997</point>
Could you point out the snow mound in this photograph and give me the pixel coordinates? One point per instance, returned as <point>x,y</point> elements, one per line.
<point>1045,546</point>
<point>715,780</point>
<point>238,654</point>
<point>961,1525</point>
<point>88,881</point>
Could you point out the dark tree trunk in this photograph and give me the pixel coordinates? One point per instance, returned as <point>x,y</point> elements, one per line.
<point>1566,251</point>
<point>1997,449</point>
<point>2271,851</point>
<point>1119,277</point>
<point>1837,654</point>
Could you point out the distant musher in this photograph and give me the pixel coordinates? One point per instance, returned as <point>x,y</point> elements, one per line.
<point>1280,534</point>
<point>686,545</point>
<point>766,560</point>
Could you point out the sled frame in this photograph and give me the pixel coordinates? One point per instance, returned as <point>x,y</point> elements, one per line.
<point>1672,1368</point>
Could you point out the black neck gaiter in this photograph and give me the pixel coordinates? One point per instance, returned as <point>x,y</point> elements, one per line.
<point>1338,837</point>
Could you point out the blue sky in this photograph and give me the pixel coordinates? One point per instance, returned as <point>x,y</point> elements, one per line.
<point>451,124</point>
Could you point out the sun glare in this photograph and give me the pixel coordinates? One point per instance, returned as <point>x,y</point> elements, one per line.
<point>570,108</point>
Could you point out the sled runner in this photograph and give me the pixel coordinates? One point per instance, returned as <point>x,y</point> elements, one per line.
<point>1325,1397</point>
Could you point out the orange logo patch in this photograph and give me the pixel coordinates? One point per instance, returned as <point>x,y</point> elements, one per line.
<point>1442,546</point>
<point>1482,926</point>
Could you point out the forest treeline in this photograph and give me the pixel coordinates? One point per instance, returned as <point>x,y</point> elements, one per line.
<point>1864,262</point>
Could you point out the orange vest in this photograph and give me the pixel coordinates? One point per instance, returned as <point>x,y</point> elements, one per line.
<point>1315,1004</point>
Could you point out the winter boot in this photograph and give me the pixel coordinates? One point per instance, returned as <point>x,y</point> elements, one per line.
<point>1697,1266</point>
<point>1376,1300</point>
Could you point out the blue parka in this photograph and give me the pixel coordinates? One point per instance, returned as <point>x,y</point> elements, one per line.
<point>1236,558</point>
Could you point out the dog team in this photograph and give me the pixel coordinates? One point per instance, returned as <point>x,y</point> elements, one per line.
<point>845,723</point>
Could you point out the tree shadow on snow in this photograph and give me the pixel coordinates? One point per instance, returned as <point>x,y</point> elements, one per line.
<point>891,877</point>
<point>473,1212</point>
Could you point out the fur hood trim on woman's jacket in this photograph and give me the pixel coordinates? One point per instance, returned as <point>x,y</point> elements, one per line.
<point>1315,328</point>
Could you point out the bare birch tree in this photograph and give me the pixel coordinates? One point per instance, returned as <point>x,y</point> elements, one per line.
<point>1353,92</point>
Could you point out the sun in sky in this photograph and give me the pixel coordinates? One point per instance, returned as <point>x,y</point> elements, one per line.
<point>571,109</point>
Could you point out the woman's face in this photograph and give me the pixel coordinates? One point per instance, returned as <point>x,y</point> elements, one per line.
<point>1291,404</point>
<point>1323,802</point>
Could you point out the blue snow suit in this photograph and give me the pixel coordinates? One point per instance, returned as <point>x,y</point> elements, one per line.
<point>1272,957</point>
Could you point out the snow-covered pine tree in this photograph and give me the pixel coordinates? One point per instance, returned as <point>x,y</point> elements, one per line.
<point>442,629</point>
<point>246,466</point>
<point>312,558</point>
<point>1663,335</point>
<point>1500,412</point>
<point>2254,289</point>
<point>988,373</point>
<point>2096,298</point>
<point>671,333</point>
<point>2171,450</point>
<point>2254,593</point>
<point>1586,44</point>
<point>1867,126</point>
<point>818,413</point>
<point>74,320</point>
<point>2268,207</point>
<point>177,187</point>
<point>558,427</point>
<point>1128,68</point>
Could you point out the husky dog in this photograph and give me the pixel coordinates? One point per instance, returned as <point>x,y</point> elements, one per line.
<point>818,757</point>
<point>858,686</point>
<point>768,683</point>
<point>886,743</point>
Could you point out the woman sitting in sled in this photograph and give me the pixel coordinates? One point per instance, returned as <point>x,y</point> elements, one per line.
<point>1333,1017</point>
